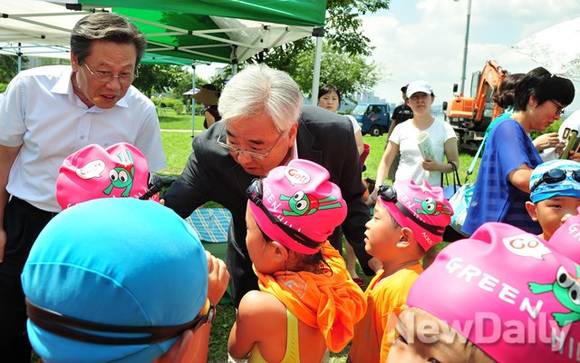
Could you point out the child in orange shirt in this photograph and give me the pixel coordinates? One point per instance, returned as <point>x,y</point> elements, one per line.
<point>407,221</point>
<point>307,301</point>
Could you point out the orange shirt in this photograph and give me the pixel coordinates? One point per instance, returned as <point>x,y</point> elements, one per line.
<point>386,297</point>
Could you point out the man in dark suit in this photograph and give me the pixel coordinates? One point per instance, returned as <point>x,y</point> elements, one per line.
<point>266,127</point>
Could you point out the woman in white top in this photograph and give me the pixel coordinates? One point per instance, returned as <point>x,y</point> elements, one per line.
<point>403,141</point>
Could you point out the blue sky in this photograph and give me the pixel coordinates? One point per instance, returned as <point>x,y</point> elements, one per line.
<point>424,39</point>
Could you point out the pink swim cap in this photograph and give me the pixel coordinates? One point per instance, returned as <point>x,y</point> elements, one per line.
<point>421,207</point>
<point>93,172</point>
<point>297,198</point>
<point>566,239</point>
<point>507,293</point>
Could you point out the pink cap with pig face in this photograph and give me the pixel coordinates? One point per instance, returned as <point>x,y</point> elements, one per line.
<point>508,293</point>
<point>298,198</point>
<point>566,239</point>
<point>420,207</point>
<point>95,172</point>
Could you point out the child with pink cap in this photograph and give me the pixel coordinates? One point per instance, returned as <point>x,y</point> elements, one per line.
<point>94,172</point>
<point>501,295</point>
<point>307,301</point>
<point>408,220</point>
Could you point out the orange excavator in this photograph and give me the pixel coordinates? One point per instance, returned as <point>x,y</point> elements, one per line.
<point>470,116</point>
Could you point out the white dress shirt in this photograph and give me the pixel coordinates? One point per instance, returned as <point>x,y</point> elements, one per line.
<point>40,113</point>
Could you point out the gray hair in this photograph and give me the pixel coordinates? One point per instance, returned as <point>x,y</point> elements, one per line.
<point>261,90</point>
<point>104,26</point>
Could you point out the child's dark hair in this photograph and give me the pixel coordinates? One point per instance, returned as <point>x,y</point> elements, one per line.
<point>544,86</point>
<point>504,98</point>
<point>307,261</point>
<point>327,89</point>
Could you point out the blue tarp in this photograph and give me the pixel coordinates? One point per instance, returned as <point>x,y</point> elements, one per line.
<point>212,224</point>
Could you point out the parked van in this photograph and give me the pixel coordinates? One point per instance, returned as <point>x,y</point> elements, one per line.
<point>373,118</point>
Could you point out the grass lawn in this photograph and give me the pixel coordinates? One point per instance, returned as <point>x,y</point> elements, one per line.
<point>177,146</point>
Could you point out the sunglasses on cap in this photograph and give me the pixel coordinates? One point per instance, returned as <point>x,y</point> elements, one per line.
<point>255,193</point>
<point>389,194</point>
<point>554,176</point>
<point>91,332</point>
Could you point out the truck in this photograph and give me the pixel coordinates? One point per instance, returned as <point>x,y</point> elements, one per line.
<point>373,118</point>
<point>470,116</point>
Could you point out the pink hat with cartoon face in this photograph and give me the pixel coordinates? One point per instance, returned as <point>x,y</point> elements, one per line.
<point>421,207</point>
<point>566,239</point>
<point>297,205</point>
<point>94,172</point>
<point>507,293</point>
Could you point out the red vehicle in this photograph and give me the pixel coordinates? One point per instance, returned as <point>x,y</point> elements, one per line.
<point>470,116</point>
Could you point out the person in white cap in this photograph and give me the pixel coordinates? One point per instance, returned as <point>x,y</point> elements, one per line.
<point>443,156</point>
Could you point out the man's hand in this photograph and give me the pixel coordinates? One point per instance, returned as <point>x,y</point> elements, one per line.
<point>217,278</point>
<point>2,244</point>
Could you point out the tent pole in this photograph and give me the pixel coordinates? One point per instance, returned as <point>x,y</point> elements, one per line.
<point>19,57</point>
<point>318,33</point>
<point>193,101</point>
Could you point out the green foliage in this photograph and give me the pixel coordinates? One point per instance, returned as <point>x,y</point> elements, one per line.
<point>9,67</point>
<point>343,24</point>
<point>349,73</point>
<point>3,87</point>
<point>168,102</point>
<point>343,34</point>
<point>160,78</point>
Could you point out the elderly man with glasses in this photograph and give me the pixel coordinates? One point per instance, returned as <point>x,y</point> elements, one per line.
<point>265,126</point>
<point>46,114</point>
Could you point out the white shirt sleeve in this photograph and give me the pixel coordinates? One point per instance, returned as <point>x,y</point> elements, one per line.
<point>149,140</point>
<point>12,126</point>
<point>449,132</point>
<point>395,136</point>
<point>354,122</point>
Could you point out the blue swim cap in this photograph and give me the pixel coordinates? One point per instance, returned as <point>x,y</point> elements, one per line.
<point>544,189</point>
<point>119,261</point>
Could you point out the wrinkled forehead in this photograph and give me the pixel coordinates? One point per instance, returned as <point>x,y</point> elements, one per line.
<point>258,128</point>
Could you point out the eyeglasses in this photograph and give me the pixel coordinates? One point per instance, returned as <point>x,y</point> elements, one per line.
<point>106,76</point>
<point>554,176</point>
<point>255,154</point>
<point>559,107</point>
<point>389,194</point>
<point>255,193</point>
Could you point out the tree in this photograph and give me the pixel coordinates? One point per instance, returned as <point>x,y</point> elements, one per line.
<point>343,34</point>
<point>343,62</point>
<point>348,73</point>
<point>8,67</point>
<point>160,78</point>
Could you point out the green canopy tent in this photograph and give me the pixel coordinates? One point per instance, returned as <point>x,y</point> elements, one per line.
<point>177,29</point>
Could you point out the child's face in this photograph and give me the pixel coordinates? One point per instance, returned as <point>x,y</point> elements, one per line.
<point>424,338</point>
<point>382,233</point>
<point>551,213</point>
<point>259,249</point>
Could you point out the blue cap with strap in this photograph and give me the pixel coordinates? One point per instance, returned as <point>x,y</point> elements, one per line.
<point>113,280</point>
<point>555,178</point>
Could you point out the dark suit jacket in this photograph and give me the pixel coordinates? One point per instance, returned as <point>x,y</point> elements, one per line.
<point>211,174</point>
